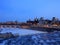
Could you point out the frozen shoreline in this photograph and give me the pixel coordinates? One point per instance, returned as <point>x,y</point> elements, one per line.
<point>20,31</point>
<point>29,37</point>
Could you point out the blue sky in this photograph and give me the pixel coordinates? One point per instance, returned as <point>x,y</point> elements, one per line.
<point>22,10</point>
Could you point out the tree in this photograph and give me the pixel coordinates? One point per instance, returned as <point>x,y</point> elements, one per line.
<point>36,20</point>
<point>53,19</point>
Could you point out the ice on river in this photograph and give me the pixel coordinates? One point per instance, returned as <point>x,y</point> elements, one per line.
<point>20,31</point>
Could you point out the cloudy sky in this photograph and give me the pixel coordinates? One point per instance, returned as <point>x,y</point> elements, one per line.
<point>22,10</point>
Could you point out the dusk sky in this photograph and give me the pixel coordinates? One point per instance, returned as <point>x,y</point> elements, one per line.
<point>22,10</point>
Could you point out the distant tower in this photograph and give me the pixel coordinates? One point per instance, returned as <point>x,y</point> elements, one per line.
<point>55,19</point>
<point>41,20</point>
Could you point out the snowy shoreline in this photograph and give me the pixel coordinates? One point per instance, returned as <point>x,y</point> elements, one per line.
<point>30,37</point>
<point>19,31</point>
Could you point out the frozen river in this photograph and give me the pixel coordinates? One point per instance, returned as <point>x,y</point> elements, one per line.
<point>20,31</point>
<point>31,37</point>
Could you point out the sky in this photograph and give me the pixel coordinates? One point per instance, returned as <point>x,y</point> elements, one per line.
<point>22,10</point>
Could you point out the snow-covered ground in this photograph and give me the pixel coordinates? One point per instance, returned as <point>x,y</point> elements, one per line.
<point>20,31</point>
<point>31,37</point>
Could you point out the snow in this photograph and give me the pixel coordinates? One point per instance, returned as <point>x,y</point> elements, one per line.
<point>20,31</point>
<point>43,38</point>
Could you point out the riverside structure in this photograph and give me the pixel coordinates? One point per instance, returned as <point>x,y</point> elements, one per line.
<point>36,24</point>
